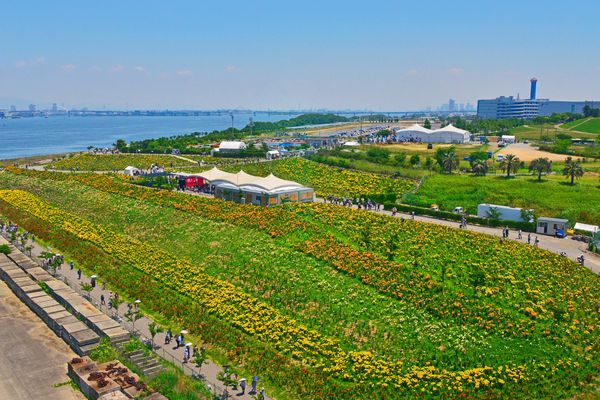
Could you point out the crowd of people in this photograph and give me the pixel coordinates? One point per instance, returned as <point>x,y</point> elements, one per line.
<point>361,203</point>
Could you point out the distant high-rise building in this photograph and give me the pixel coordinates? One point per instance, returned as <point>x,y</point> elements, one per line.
<point>54,107</point>
<point>451,105</point>
<point>509,107</point>
<point>32,107</point>
<point>13,108</point>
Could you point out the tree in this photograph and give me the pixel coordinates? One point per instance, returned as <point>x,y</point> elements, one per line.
<point>479,167</point>
<point>493,214</point>
<point>399,158</point>
<point>540,165</point>
<point>87,288</point>
<point>415,160</point>
<point>116,303</point>
<point>154,329</point>
<point>133,316</point>
<point>427,123</point>
<point>447,158</point>
<point>510,163</point>
<point>573,170</point>
<point>199,359</point>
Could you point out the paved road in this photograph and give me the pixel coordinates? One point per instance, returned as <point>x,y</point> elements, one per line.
<point>33,358</point>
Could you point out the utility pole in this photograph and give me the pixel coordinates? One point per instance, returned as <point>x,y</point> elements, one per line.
<point>251,124</point>
<point>231,115</point>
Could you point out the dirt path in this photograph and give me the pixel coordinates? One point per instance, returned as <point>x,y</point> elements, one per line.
<point>527,153</point>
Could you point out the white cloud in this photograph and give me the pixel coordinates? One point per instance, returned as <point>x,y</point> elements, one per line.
<point>456,70</point>
<point>139,68</point>
<point>231,68</point>
<point>117,68</point>
<point>40,60</point>
<point>21,64</point>
<point>69,67</point>
<point>184,72</point>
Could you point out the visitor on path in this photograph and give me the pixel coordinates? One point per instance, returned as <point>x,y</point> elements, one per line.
<point>186,354</point>
<point>168,336</point>
<point>79,274</point>
<point>529,238</point>
<point>177,341</point>
<point>394,211</point>
<point>195,350</point>
<point>520,235</point>
<point>243,385</point>
<point>102,301</point>
<point>261,395</point>
<point>71,265</point>
<point>103,284</point>
<point>412,215</point>
<point>537,242</point>
<point>255,380</point>
<point>203,348</point>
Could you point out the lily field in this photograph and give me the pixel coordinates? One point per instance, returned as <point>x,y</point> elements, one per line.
<point>326,302</point>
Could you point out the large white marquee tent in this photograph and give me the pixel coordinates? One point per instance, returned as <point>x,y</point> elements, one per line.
<point>446,134</point>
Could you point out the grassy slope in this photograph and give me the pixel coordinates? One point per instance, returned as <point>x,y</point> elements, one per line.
<point>308,292</point>
<point>111,162</point>
<point>589,125</point>
<point>536,132</point>
<point>551,197</point>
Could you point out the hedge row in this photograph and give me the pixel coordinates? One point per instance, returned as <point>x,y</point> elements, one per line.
<point>524,226</point>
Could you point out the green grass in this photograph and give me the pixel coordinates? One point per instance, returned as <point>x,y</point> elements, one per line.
<point>588,125</point>
<point>118,162</point>
<point>358,314</point>
<point>551,197</point>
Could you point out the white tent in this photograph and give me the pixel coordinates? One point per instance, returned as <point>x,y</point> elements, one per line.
<point>586,228</point>
<point>131,171</point>
<point>352,143</point>
<point>232,146</point>
<point>447,134</point>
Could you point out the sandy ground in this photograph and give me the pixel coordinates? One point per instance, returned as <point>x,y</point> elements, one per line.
<point>527,153</point>
<point>32,357</point>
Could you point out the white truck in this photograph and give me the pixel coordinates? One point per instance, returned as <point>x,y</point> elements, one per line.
<point>502,213</point>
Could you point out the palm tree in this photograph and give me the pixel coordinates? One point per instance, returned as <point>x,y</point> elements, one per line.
<point>449,160</point>
<point>510,163</point>
<point>572,170</point>
<point>479,167</point>
<point>541,165</point>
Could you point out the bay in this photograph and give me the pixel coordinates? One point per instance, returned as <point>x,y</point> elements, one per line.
<point>25,137</point>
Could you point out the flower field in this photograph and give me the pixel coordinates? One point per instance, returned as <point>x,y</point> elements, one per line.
<point>328,180</point>
<point>366,304</point>
<point>118,162</point>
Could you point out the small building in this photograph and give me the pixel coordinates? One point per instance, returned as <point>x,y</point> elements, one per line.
<point>273,154</point>
<point>552,226</point>
<point>231,147</point>
<point>508,139</point>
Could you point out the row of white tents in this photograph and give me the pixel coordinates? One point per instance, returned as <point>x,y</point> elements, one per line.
<point>446,134</point>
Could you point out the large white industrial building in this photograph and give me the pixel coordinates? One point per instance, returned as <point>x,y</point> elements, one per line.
<point>446,134</point>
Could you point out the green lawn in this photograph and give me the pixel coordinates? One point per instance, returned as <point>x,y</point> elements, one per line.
<point>589,125</point>
<point>551,197</point>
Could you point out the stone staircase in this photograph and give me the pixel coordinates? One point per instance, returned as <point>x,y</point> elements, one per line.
<point>148,364</point>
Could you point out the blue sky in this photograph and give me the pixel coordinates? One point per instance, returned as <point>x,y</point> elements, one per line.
<point>379,55</point>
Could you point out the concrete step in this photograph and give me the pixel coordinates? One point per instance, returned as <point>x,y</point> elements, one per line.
<point>147,362</point>
<point>85,350</point>
<point>152,371</point>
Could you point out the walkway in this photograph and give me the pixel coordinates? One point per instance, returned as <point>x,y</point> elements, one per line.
<point>209,370</point>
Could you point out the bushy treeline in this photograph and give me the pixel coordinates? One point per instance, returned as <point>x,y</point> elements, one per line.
<point>183,143</point>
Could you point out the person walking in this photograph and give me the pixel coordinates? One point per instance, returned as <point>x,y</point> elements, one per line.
<point>529,238</point>
<point>520,235</point>
<point>79,274</point>
<point>71,265</point>
<point>102,301</point>
<point>186,354</point>
<point>243,385</point>
<point>255,380</point>
<point>537,242</point>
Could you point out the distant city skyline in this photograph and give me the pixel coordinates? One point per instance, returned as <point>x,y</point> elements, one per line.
<point>286,56</point>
